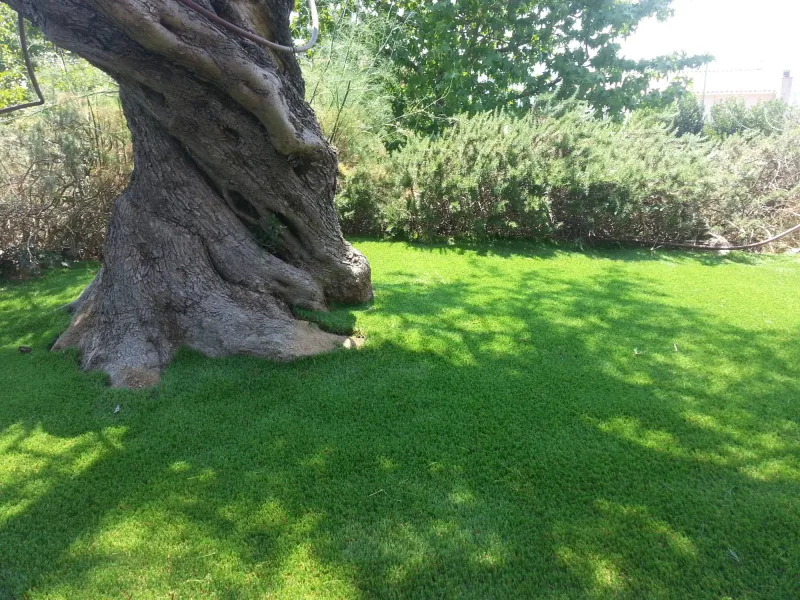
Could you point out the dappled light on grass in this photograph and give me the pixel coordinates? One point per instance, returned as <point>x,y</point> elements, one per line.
<point>32,460</point>
<point>767,456</point>
<point>522,422</point>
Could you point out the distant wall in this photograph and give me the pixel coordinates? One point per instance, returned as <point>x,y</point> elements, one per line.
<point>750,98</point>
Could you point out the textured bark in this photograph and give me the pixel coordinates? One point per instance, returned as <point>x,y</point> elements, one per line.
<point>229,219</point>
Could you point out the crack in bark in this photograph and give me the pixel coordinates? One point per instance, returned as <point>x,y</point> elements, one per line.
<point>242,208</point>
<point>218,269</point>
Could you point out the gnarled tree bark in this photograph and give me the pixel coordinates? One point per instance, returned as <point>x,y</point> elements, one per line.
<point>228,220</point>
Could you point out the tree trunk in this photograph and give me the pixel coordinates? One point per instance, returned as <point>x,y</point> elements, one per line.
<point>228,220</point>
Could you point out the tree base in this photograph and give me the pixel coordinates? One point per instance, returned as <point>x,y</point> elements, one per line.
<point>183,269</point>
<point>133,349</point>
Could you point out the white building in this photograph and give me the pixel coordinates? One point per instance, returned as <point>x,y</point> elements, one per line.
<point>712,86</point>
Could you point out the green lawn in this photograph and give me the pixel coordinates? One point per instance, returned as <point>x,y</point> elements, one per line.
<point>518,425</point>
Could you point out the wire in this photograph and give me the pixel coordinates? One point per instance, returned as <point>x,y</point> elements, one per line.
<point>23,43</point>
<point>312,5</point>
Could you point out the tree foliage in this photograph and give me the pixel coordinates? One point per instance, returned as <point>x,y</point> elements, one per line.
<point>14,85</point>
<point>470,56</point>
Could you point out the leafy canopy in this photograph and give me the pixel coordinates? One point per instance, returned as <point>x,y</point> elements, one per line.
<point>469,56</point>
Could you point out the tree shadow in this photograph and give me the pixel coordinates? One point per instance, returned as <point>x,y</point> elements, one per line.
<point>516,436</point>
<point>34,317</point>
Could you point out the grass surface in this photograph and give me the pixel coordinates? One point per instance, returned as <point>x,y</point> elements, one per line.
<point>519,424</point>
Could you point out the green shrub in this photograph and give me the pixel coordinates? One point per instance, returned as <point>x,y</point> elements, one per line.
<point>632,180</point>
<point>478,179</point>
<point>62,167</point>
<point>689,118</point>
<point>360,203</point>
<point>559,173</point>
<point>556,173</point>
<point>733,116</point>
<point>759,191</point>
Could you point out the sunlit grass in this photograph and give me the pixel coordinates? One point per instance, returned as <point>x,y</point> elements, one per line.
<point>522,422</point>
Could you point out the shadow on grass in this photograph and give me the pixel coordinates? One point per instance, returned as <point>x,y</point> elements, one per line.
<point>340,320</point>
<point>34,317</point>
<point>497,438</point>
